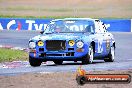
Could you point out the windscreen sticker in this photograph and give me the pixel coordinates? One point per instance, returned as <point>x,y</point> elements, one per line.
<point>77,27</point>
<point>70,22</point>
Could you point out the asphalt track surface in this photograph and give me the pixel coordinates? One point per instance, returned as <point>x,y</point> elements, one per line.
<point>123,59</point>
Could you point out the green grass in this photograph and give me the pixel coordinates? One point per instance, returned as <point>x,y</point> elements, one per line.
<point>20,8</point>
<point>24,8</point>
<point>36,17</point>
<point>116,9</point>
<point>57,17</point>
<point>7,55</point>
<point>14,16</point>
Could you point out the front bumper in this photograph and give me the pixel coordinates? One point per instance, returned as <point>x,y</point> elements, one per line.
<point>71,53</point>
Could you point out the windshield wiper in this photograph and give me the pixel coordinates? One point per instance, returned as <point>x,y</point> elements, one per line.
<point>49,33</point>
<point>72,32</point>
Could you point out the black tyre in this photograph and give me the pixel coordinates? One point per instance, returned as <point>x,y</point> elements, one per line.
<point>88,59</point>
<point>111,55</point>
<point>34,62</point>
<point>58,62</point>
<point>81,80</point>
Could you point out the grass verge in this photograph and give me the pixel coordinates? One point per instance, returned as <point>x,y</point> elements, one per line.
<point>57,17</point>
<point>7,55</point>
<point>37,17</point>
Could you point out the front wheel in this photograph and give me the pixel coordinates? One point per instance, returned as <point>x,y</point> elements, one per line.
<point>88,59</point>
<point>111,55</point>
<point>34,62</point>
<point>81,80</point>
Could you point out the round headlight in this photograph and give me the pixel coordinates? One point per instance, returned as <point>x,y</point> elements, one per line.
<point>40,43</point>
<point>32,45</point>
<point>80,44</point>
<point>71,43</point>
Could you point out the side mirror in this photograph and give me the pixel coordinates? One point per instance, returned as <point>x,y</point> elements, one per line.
<point>92,32</point>
<point>107,26</point>
<point>41,32</point>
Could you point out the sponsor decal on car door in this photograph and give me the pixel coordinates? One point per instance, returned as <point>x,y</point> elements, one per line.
<point>100,45</point>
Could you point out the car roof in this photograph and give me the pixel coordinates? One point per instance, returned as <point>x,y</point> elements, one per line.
<point>90,19</point>
<point>78,19</point>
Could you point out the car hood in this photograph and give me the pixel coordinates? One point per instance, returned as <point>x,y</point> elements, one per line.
<point>61,36</point>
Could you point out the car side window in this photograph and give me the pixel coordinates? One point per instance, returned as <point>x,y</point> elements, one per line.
<point>100,27</point>
<point>90,28</point>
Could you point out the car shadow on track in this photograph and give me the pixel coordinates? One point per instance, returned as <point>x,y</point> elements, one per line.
<point>75,63</point>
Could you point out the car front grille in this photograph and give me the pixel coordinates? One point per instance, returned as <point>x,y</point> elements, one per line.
<point>55,45</point>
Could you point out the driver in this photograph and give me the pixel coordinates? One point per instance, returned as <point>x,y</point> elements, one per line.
<point>58,29</point>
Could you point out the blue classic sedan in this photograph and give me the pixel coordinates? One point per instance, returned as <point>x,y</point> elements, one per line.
<point>72,39</point>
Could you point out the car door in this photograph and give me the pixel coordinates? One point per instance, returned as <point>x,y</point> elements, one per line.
<point>100,41</point>
<point>106,39</point>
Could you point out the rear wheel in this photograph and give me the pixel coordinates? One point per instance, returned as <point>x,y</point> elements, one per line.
<point>58,62</point>
<point>111,55</point>
<point>88,59</point>
<point>34,62</point>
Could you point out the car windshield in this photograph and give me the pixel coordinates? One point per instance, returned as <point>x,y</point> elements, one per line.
<point>69,26</point>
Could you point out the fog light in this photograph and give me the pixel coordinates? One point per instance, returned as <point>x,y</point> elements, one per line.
<point>32,50</point>
<point>40,43</point>
<point>80,50</point>
<point>71,43</point>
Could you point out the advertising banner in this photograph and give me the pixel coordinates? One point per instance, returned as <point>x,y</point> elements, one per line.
<point>116,25</point>
<point>23,24</point>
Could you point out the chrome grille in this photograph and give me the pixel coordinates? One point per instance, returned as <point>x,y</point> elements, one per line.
<point>55,45</point>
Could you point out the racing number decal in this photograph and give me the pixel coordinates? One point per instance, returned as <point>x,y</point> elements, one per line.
<point>100,45</point>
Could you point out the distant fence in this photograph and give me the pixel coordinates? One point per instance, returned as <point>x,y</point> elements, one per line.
<point>116,25</point>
